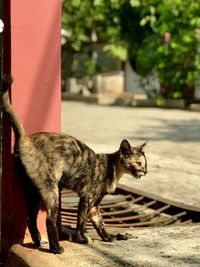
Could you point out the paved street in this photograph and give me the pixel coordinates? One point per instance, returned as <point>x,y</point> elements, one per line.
<point>173,162</point>
<point>173,149</point>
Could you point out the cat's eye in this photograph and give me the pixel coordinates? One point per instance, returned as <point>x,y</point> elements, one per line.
<point>139,163</point>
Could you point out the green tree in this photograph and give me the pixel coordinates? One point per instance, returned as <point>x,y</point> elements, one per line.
<point>152,34</point>
<point>175,44</point>
<point>89,21</point>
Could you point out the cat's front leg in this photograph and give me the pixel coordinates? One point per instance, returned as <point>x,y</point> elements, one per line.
<point>83,209</point>
<point>96,219</point>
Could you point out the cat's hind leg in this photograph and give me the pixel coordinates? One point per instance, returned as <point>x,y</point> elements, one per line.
<point>33,199</point>
<point>83,209</point>
<point>50,198</point>
<point>33,203</point>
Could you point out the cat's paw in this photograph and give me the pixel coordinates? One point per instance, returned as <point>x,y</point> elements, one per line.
<point>58,250</point>
<point>122,237</point>
<point>109,238</point>
<point>81,239</point>
<point>37,240</point>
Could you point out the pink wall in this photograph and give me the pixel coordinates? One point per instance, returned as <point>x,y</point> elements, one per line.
<point>32,52</point>
<point>35,49</point>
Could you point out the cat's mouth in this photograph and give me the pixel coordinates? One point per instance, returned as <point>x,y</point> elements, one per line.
<point>138,174</point>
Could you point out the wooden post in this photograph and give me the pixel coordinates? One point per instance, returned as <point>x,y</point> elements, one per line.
<point>32,54</point>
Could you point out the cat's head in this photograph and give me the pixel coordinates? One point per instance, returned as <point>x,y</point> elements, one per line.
<point>132,159</point>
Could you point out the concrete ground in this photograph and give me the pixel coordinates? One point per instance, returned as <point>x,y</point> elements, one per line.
<point>172,151</point>
<point>173,143</point>
<point>160,247</point>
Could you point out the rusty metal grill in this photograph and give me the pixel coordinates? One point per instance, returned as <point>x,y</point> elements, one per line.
<point>129,207</point>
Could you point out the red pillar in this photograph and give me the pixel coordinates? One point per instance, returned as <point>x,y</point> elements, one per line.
<point>32,53</point>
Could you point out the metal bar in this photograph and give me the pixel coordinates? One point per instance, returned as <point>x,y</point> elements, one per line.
<point>135,217</point>
<point>124,212</point>
<point>158,221</point>
<point>120,203</point>
<point>177,204</point>
<point>65,211</point>
<point>73,214</point>
<point>146,205</point>
<point>72,224</point>
<point>65,207</point>
<point>102,206</point>
<point>105,202</point>
<point>127,218</point>
<point>183,223</point>
<point>118,198</point>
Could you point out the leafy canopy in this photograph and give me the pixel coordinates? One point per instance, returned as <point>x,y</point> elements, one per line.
<point>150,33</point>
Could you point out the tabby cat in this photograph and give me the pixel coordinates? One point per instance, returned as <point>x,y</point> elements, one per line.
<point>52,161</point>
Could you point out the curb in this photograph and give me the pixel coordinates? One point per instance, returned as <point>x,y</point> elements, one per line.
<point>82,98</point>
<point>130,102</point>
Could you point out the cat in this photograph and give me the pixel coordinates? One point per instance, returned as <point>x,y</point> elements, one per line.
<point>52,161</point>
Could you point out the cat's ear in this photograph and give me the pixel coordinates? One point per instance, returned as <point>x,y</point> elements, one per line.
<point>125,148</point>
<point>141,147</point>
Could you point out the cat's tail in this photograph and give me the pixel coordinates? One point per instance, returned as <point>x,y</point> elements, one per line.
<point>7,108</point>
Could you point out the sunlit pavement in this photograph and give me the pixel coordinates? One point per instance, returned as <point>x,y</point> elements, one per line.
<point>152,247</point>
<point>173,143</point>
<point>173,172</point>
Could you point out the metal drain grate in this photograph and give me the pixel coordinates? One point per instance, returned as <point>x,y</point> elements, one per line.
<point>129,207</point>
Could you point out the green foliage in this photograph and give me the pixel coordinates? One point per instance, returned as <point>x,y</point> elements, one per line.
<point>83,18</point>
<point>117,50</point>
<point>152,34</point>
<point>90,66</point>
<point>172,47</point>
